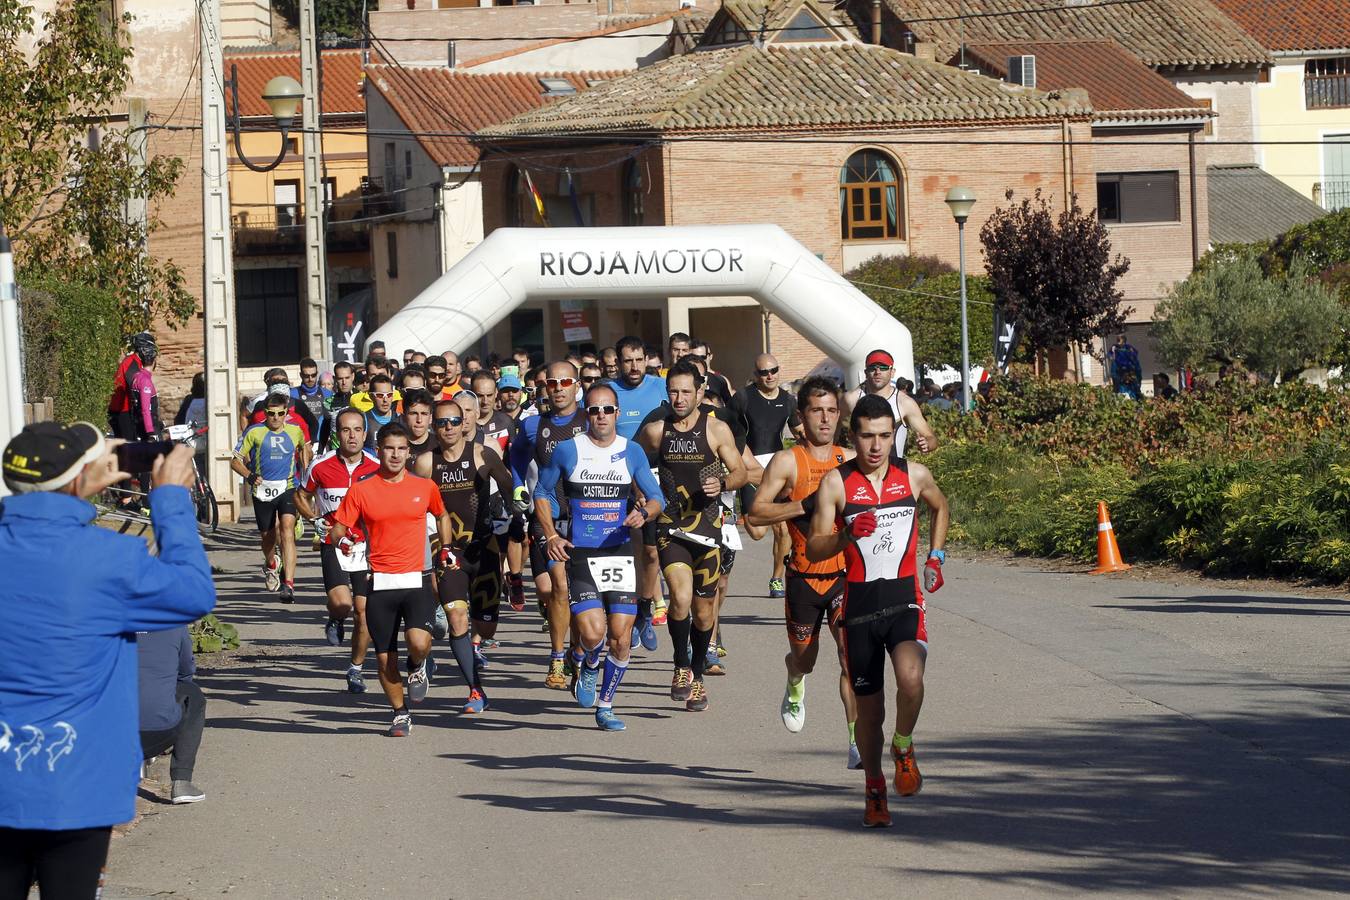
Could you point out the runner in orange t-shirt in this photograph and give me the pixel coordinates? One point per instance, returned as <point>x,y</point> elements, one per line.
<point>391,506</point>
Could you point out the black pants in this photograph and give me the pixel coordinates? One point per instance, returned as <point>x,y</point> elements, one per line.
<point>184,738</point>
<point>67,865</point>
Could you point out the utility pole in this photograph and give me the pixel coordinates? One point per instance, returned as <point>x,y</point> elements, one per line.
<point>316,255</point>
<point>137,119</point>
<point>12,422</point>
<point>217,268</point>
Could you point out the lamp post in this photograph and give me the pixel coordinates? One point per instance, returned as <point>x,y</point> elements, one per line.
<point>960,200</point>
<point>283,94</point>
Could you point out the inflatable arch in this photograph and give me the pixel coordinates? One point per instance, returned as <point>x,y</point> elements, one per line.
<point>514,265</point>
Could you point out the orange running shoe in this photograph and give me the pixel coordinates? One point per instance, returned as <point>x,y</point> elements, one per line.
<point>875,812</point>
<point>908,781</point>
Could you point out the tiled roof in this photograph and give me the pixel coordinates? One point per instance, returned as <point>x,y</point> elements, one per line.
<point>1158,32</point>
<point>430,99</point>
<point>341,79</point>
<point>624,23</point>
<point>689,28</point>
<point>1293,24</point>
<point>1248,204</point>
<point>775,14</point>
<point>813,86</point>
<point>1118,84</point>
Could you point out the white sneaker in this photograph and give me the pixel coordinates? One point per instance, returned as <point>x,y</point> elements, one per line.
<point>417,684</point>
<point>854,757</point>
<point>272,578</point>
<point>794,714</point>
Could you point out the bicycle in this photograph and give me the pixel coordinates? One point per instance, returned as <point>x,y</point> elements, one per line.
<point>127,505</point>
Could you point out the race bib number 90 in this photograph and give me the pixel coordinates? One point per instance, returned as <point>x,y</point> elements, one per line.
<point>268,491</point>
<point>613,573</point>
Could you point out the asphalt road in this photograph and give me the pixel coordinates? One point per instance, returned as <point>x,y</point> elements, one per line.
<point>1114,735</point>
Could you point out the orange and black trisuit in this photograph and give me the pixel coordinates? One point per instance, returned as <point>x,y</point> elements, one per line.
<point>813,588</point>
<point>883,605</point>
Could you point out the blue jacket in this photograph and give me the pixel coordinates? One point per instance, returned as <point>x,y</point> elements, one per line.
<point>636,403</point>
<point>72,598</point>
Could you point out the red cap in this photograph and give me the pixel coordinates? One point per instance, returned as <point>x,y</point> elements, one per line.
<point>880,356</point>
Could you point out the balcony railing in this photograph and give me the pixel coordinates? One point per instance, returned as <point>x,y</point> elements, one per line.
<point>280,232</point>
<point>1326,91</point>
<point>1335,194</point>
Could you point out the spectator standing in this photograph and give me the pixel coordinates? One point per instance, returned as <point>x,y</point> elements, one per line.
<point>173,708</point>
<point>145,403</point>
<point>74,596</point>
<point>193,407</point>
<point>1162,387</point>
<point>1126,373</point>
<point>143,351</point>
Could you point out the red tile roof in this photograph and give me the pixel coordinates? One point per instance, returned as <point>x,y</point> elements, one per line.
<point>580,36</point>
<point>1292,24</point>
<point>1115,79</point>
<point>446,100</point>
<point>341,79</point>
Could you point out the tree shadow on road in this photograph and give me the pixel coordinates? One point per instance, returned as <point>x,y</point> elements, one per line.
<point>1245,604</point>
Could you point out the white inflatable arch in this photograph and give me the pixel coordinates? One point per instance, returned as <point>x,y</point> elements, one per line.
<point>514,265</point>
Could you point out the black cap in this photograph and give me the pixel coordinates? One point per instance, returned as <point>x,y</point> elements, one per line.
<point>46,456</point>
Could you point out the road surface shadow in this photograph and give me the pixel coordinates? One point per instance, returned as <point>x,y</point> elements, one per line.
<point>1244,604</point>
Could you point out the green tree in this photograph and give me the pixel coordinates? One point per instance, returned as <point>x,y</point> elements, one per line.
<point>63,198</point>
<point>1053,274</point>
<point>924,293</point>
<point>339,17</point>
<point>1232,312</point>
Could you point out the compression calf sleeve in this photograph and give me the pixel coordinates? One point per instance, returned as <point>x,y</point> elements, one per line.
<point>679,638</point>
<point>462,646</point>
<point>609,682</point>
<point>702,640</point>
<point>591,658</point>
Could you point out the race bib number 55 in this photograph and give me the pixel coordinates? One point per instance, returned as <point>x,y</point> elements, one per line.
<point>613,573</point>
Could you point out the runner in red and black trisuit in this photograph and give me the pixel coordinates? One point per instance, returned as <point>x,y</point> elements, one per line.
<point>867,509</point>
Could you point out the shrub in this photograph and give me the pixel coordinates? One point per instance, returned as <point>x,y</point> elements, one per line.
<point>210,635</point>
<point>72,345</point>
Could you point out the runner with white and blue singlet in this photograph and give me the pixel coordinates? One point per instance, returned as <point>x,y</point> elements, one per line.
<point>610,490</point>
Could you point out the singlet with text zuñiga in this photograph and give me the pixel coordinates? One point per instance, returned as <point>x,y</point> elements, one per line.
<point>686,459</point>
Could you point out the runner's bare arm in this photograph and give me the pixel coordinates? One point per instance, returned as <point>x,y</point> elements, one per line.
<point>490,462</point>
<point>724,444</point>
<point>824,542</point>
<point>649,438</point>
<point>928,491</point>
<point>912,416</point>
<point>754,472</point>
<point>422,465</point>
<point>767,508</point>
<point>304,504</point>
<point>239,467</point>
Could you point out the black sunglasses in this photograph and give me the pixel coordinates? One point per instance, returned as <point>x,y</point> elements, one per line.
<point>877,367</point>
<point>453,421</point>
<point>605,410</point>
<point>765,373</point>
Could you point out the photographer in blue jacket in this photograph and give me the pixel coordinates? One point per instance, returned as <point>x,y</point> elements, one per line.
<point>72,598</point>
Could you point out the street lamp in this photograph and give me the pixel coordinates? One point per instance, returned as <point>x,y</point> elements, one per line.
<point>283,94</point>
<point>960,200</point>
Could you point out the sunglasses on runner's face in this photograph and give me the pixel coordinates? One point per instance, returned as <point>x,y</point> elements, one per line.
<point>450,421</point>
<point>276,414</point>
<point>876,367</point>
<point>383,395</point>
<point>589,380</point>
<point>765,373</point>
<point>555,384</point>
<point>605,410</point>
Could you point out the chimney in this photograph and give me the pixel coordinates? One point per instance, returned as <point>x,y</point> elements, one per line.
<point>925,50</point>
<point>876,22</point>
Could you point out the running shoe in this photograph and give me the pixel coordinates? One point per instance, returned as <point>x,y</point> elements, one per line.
<point>401,726</point>
<point>490,643</point>
<point>649,641</point>
<point>186,792</point>
<point>333,632</point>
<point>712,663</point>
<point>854,757</point>
<point>440,625</point>
<point>555,679</point>
<point>680,684</point>
<point>517,593</point>
<point>875,812</point>
<point>417,684</point>
<point>659,613</point>
<point>794,710</point>
<point>635,638</point>
<point>698,698</point>
<point>480,662</point>
<point>777,589</point>
<point>721,650</point>
<point>908,781</point>
<point>477,702</point>
<point>606,719</point>
<point>569,667</point>
<point>356,682</point>
<point>287,594</point>
<point>586,686</point>
<point>299,530</point>
<point>272,576</point>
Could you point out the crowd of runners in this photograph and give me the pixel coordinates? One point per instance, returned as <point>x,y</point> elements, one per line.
<point>623,479</point>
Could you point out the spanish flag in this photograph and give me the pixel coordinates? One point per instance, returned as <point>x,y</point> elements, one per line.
<point>538,199</point>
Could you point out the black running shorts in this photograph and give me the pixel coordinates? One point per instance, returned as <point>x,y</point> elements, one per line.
<point>336,576</point>
<point>267,511</point>
<point>877,618</point>
<point>805,606</point>
<point>386,610</point>
<point>704,562</point>
<point>478,580</point>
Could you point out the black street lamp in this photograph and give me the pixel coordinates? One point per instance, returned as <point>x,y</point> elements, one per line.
<point>283,94</point>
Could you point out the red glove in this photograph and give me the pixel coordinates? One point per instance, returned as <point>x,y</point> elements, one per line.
<point>446,559</point>
<point>932,575</point>
<point>346,545</point>
<point>863,525</point>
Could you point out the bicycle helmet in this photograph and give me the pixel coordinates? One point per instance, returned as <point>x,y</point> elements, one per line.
<point>143,344</point>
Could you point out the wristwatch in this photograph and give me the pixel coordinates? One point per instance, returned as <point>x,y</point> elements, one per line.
<point>939,555</point>
<point>645,515</point>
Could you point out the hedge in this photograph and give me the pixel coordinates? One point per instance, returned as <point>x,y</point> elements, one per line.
<point>72,346</point>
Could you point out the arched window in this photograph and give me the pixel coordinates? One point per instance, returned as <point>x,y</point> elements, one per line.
<point>634,187</point>
<point>871,198</point>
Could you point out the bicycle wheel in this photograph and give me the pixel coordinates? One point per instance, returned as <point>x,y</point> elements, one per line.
<point>208,510</point>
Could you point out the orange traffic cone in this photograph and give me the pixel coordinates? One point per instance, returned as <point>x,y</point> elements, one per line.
<point>1108,554</point>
